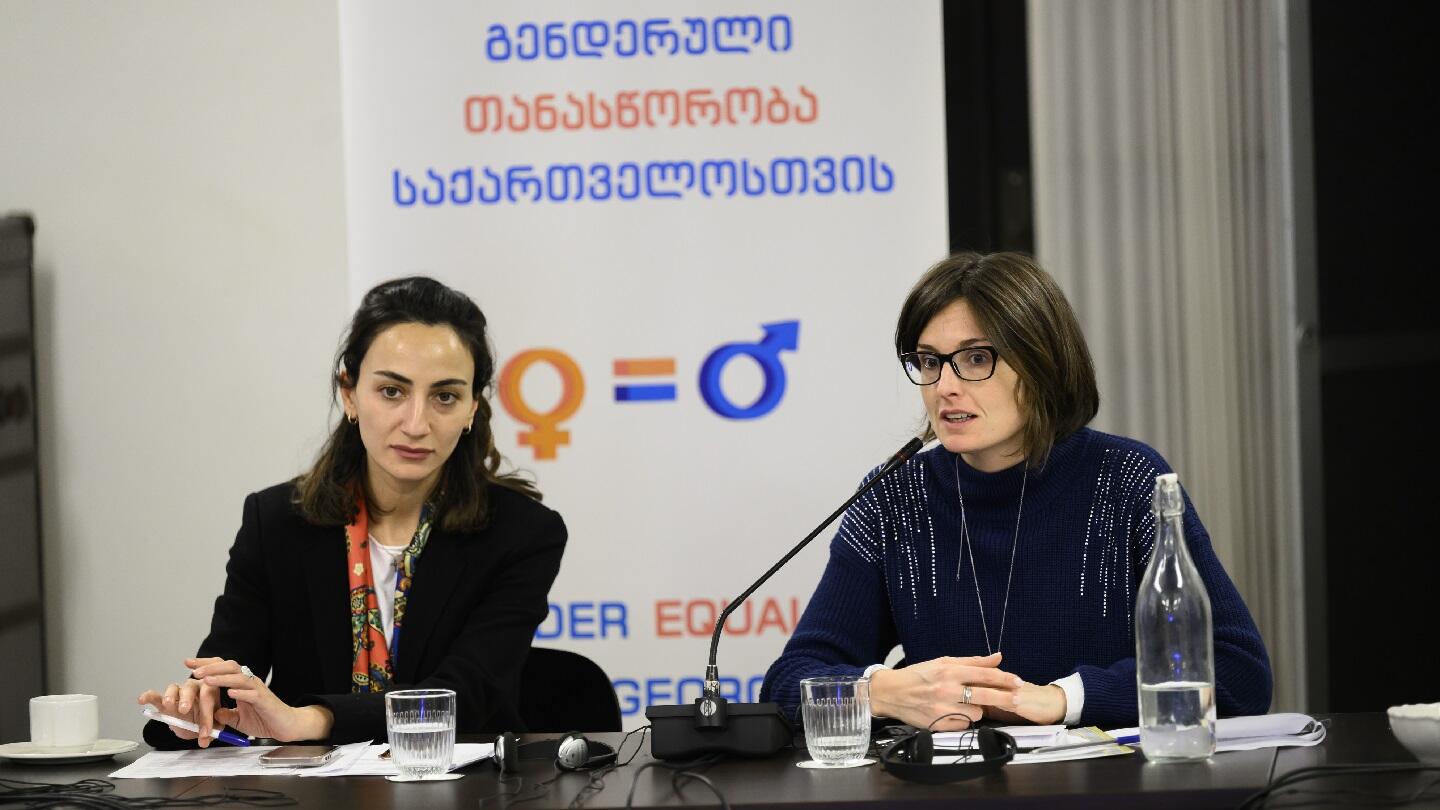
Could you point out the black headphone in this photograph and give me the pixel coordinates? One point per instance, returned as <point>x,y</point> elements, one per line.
<point>572,752</point>
<point>909,757</point>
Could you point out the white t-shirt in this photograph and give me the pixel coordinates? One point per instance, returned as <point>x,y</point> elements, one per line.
<point>384,561</point>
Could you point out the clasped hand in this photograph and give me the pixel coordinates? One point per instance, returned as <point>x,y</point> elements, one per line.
<point>258,711</point>
<point>931,694</point>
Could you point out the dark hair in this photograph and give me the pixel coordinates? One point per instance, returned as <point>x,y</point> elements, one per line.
<point>1026,316</point>
<point>326,494</point>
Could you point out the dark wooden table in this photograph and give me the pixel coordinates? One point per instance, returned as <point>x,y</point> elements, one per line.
<point>1109,783</point>
<point>1353,739</point>
<point>133,788</point>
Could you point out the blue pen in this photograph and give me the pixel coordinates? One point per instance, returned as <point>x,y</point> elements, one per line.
<point>1128,739</point>
<point>223,736</point>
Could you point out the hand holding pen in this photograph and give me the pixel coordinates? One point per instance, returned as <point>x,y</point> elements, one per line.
<point>192,701</point>
<point>175,722</point>
<point>258,711</point>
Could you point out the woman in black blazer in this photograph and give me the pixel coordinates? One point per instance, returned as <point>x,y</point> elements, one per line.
<point>403,558</point>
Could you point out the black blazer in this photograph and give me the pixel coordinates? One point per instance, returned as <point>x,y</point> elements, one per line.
<point>475,602</point>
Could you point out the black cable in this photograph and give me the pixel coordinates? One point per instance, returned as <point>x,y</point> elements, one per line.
<point>96,793</point>
<point>681,767</point>
<point>1352,797</point>
<point>702,779</point>
<point>503,793</point>
<point>966,745</point>
<point>646,730</point>
<point>537,790</point>
<point>596,782</point>
<point>593,785</point>
<point>1284,785</point>
<point>931,727</point>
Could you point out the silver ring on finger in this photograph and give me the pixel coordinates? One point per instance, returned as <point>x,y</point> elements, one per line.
<point>244,670</point>
<point>965,695</point>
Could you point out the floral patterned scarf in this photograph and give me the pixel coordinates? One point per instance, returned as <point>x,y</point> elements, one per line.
<point>372,662</point>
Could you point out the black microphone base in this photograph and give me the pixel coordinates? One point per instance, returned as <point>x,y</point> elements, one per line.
<point>749,730</point>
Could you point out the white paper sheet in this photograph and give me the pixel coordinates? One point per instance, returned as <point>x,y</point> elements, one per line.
<point>1034,737</point>
<point>1280,730</point>
<point>1025,736</point>
<point>214,761</point>
<point>370,763</point>
<point>356,759</point>
<point>1231,734</point>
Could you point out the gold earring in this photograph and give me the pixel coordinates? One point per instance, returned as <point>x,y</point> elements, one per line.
<point>352,418</point>
<point>468,426</point>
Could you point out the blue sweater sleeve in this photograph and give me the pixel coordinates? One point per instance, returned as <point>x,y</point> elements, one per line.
<point>847,625</point>
<point>1242,667</point>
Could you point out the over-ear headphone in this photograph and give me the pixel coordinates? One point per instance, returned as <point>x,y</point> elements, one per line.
<point>577,753</point>
<point>909,757</point>
<point>572,752</point>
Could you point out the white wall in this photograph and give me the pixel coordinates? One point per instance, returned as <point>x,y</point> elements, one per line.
<point>167,150</point>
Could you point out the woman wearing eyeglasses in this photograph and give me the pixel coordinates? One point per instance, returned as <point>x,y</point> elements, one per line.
<point>1005,560</point>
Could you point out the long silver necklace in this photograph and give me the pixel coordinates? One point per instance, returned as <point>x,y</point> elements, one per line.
<point>970,548</point>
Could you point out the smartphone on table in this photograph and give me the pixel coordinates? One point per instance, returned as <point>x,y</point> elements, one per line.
<point>299,756</point>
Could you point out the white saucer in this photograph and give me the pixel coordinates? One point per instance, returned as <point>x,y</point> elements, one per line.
<point>434,777</point>
<point>30,752</point>
<point>854,763</point>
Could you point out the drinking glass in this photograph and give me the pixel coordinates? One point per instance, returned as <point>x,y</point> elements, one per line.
<point>836,713</point>
<point>421,725</point>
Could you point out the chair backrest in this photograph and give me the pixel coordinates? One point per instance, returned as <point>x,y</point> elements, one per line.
<point>563,691</point>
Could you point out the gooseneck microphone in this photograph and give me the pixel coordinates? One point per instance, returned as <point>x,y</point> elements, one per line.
<point>712,673</point>
<point>713,725</point>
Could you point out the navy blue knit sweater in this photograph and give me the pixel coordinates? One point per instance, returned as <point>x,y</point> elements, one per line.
<point>896,576</point>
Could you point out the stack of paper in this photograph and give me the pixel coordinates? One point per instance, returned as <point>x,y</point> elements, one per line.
<point>1260,731</point>
<point>1025,736</point>
<point>371,762</point>
<point>356,759</point>
<point>1231,734</point>
<point>1036,737</point>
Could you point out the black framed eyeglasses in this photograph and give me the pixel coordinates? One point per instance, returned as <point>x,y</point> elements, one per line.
<point>973,363</point>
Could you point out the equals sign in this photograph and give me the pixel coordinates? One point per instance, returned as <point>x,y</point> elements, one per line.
<point>645,367</point>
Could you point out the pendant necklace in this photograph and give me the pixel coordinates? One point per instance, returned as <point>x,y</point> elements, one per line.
<point>970,549</point>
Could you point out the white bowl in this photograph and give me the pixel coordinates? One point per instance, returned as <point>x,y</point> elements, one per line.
<point>1417,726</point>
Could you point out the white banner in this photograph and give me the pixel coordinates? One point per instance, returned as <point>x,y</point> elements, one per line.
<point>691,227</point>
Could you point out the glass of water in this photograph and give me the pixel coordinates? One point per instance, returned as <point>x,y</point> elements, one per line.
<point>421,725</point>
<point>836,713</point>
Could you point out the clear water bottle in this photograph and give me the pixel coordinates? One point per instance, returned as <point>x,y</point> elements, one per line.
<point>1174,641</point>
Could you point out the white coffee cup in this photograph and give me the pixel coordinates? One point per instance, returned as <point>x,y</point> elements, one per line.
<point>64,723</point>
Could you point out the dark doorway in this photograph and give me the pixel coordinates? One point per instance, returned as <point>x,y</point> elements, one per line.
<point>1377,281</point>
<point>22,637</point>
<point>987,122</point>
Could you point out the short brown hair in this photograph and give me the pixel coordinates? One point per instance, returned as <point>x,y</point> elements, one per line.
<point>1027,317</point>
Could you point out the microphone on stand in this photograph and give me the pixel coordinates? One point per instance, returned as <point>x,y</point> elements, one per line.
<point>713,725</point>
